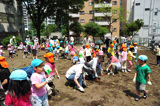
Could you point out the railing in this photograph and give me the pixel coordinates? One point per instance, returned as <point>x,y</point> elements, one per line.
<point>74,15</point>
<point>103,14</point>
<point>100,5</point>
<point>102,22</point>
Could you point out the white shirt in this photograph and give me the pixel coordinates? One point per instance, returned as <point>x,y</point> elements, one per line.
<point>93,62</point>
<point>75,69</point>
<point>86,41</point>
<point>72,39</point>
<point>88,51</point>
<point>81,60</point>
<point>135,49</point>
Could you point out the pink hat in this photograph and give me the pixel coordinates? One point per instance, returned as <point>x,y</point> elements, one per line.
<point>81,48</point>
<point>9,45</point>
<point>101,53</point>
<point>1,46</point>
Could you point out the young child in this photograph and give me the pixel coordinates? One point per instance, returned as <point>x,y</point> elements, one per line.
<point>111,49</point>
<point>81,58</point>
<point>142,77</point>
<point>88,53</point>
<point>39,84</point>
<point>72,49</point>
<point>124,58</point>
<point>129,57</point>
<point>50,49</point>
<point>10,49</point>
<point>135,50</point>
<point>158,55</point>
<point>19,89</point>
<point>100,61</point>
<point>75,59</point>
<point>25,51</point>
<point>34,52</point>
<point>64,55</point>
<point>82,52</point>
<point>1,50</point>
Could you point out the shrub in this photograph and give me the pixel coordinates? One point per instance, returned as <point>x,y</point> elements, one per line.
<point>6,40</point>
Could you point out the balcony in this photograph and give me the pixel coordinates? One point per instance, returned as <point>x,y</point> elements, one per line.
<point>103,23</point>
<point>100,5</point>
<point>103,14</point>
<point>74,15</point>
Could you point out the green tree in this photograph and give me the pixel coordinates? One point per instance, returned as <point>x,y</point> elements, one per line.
<point>49,29</point>
<point>28,32</point>
<point>76,27</point>
<point>95,30</point>
<point>132,28</point>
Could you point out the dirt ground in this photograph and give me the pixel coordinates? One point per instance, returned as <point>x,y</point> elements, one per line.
<point>117,90</point>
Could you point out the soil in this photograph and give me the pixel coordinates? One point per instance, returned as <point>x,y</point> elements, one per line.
<point>117,90</point>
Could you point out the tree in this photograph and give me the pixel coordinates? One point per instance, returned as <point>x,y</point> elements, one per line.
<point>132,28</point>
<point>49,29</point>
<point>38,10</point>
<point>95,30</point>
<point>76,27</point>
<point>34,29</point>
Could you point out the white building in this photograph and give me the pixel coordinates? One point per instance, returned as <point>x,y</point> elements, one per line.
<point>149,11</point>
<point>11,16</point>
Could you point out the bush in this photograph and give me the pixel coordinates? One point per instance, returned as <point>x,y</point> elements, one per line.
<point>6,41</point>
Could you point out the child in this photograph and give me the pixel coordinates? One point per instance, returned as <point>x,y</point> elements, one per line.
<point>72,49</point>
<point>81,58</point>
<point>82,52</point>
<point>10,48</point>
<point>39,84</point>
<point>158,55</point>
<point>64,55</point>
<point>129,58</point>
<point>101,60</point>
<point>50,49</point>
<point>135,50</point>
<point>88,53</point>
<point>25,50</point>
<point>128,46</point>
<point>124,58</point>
<point>142,76</point>
<point>75,59</point>
<point>1,50</point>
<point>19,89</point>
<point>111,49</point>
<point>34,52</point>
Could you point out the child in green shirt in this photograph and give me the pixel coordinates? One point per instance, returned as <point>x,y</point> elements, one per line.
<point>142,76</point>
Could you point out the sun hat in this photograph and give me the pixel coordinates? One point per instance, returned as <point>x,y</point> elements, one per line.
<point>114,41</point>
<point>125,49</point>
<point>74,55</point>
<point>101,53</point>
<point>71,43</point>
<point>112,45</point>
<point>36,62</point>
<point>143,57</point>
<point>81,48</point>
<point>9,45</point>
<point>131,46</point>
<point>50,57</point>
<point>87,46</point>
<point>97,50</point>
<point>50,45</point>
<point>135,43</point>
<point>80,55</point>
<point>58,47</point>
<point>75,58</point>
<point>66,51</point>
<point>1,46</point>
<point>94,55</point>
<point>18,75</point>
<point>61,41</point>
<point>3,63</point>
<point>123,45</point>
<point>66,41</point>
<point>47,69</point>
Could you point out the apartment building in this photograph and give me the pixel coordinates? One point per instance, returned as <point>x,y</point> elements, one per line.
<point>89,14</point>
<point>149,12</point>
<point>11,16</point>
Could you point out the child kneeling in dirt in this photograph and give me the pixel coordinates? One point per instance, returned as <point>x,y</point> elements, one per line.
<point>76,74</point>
<point>142,76</point>
<point>114,64</point>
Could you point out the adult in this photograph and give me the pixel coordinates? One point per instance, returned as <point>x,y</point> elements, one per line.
<point>27,39</point>
<point>71,39</point>
<point>153,42</point>
<point>114,64</point>
<point>107,41</point>
<point>86,40</point>
<point>13,41</point>
<point>76,74</point>
<point>36,40</point>
<point>117,40</point>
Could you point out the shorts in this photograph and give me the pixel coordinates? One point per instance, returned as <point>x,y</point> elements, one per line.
<point>140,87</point>
<point>25,53</point>
<point>39,101</point>
<point>72,53</point>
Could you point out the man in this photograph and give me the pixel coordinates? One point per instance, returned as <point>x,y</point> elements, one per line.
<point>114,64</point>
<point>86,40</point>
<point>76,74</point>
<point>71,39</point>
<point>107,41</point>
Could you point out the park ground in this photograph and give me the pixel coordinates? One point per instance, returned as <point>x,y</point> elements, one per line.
<point>117,90</point>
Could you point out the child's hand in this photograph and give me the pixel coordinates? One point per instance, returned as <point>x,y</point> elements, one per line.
<point>149,83</point>
<point>58,77</point>
<point>134,80</point>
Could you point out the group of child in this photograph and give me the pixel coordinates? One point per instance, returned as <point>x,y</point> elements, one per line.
<point>20,92</point>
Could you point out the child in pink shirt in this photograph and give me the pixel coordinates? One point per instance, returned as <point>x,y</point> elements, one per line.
<point>19,89</point>
<point>124,59</point>
<point>72,50</point>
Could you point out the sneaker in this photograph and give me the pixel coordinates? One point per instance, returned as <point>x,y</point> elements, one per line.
<point>129,70</point>
<point>145,95</point>
<point>123,70</point>
<point>137,98</point>
<point>101,74</point>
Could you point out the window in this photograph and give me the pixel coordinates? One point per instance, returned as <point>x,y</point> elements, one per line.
<point>91,20</point>
<point>114,11</point>
<point>147,9</point>
<point>114,29</point>
<point>156,13</point>
<point>91,12</point>
<point>114,2</point>
<point>82,21</point>
<point>90,3</point>
<point>137,4</point>
<point>81,12</point>
<point>145,26</point>
<point>114,20</point>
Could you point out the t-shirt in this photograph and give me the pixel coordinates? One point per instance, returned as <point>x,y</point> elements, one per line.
<point>129,57</point>
<point>158,53</point>
<point>14,101</point>
<point>93,62</point>
<point>38,78</point>
<point>124,54</point>
<point>135,49</point>
<point>111,50</point>
<point>50,49</point>
<point>72,48</point>
<point>142,72</point>
<point>1,52</point>
<point>75,69</point>
<point>52,67</point>
<point>88,51</point>
<point>4,74</point>
<point>114,60</point>
<point>115,46</point>
<point>86,41</point>
<point>81,60</point>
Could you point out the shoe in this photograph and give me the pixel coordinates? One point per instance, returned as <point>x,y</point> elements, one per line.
<point>101,74</point>
<point>81,89</point>
<point>123,70</point>
<point>137,98</point>
<point>145,95</point>
<point>129,70</point>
